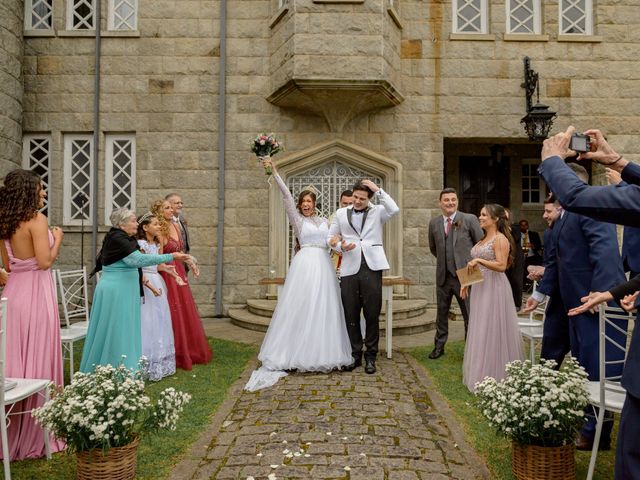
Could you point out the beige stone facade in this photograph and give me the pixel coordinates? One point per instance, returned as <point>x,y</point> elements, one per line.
<point>11,51</point>
<point>376,84</point>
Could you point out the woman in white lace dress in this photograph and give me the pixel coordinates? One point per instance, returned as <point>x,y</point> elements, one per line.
<point>307,331</point>
<point>156,329</point>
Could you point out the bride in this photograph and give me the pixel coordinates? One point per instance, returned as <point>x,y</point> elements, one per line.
<point>307,331</point>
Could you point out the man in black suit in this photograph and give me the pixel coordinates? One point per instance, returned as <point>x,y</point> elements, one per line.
<point>615,204</point>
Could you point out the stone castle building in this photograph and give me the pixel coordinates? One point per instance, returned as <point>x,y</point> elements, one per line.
<point>416,94</point>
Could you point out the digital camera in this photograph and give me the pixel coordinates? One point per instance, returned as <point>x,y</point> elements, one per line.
<point>580,143</point>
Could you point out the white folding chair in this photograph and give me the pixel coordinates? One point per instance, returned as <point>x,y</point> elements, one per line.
<point>72,286</point>
<point>14,390</point>
<point>607,393</point>
<point>533,318</point>
<point>533,334</point>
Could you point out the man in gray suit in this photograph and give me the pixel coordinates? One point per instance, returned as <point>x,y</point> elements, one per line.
<point>451,236</point>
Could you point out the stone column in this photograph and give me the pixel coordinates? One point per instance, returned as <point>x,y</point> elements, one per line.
<point>11,89</point>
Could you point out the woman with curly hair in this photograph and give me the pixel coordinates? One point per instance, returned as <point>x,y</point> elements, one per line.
<point>28,251</point>
<point>188,334</point>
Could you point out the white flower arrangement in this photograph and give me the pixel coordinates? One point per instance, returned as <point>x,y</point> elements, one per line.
<point>535,404</point>
<point>108,408</point>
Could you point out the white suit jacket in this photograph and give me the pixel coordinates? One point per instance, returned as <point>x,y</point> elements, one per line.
<point>369,240</point>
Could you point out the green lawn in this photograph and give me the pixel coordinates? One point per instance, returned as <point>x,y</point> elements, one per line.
<point>207,385</point>
<point>447,376</point>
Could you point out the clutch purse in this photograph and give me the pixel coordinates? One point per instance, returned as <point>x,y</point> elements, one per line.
<point>469,276</point>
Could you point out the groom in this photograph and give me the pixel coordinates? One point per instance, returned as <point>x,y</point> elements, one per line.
<point>356,231</point>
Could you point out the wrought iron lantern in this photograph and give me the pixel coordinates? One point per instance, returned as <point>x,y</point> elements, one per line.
<point>539,119</point>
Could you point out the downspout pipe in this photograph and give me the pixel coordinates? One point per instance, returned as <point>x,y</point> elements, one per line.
<point>222,84</point>
<point>96,137</point>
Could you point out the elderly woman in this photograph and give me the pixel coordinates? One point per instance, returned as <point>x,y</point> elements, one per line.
<point>114,326</point>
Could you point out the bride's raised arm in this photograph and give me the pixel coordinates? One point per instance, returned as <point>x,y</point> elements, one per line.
<point>295,218</point>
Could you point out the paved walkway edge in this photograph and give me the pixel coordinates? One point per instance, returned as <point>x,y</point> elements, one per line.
<point>188,466</point>
<point>475,461</point>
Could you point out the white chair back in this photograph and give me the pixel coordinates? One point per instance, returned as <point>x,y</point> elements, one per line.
<point>607,393</point>
<point>3,345</point>
<point>72,285</point>
<point>614,333</point>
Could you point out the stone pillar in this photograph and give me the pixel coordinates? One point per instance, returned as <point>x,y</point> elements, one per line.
<point>11,90</point>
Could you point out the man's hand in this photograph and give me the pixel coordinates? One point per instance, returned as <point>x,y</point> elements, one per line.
<point>530,306</point>
<point>535,272</point>
<point>346,246</point>
<point>590,302</point>
<point>602,152</point>
<point>369,184</point>
<point>629,302</point>
<point>613,177</point>
<point>558,145</point>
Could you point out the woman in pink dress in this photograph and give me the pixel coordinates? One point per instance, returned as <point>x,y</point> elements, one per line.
<point>33,326</point>
<point>188,334</point>
<point>493,339</point>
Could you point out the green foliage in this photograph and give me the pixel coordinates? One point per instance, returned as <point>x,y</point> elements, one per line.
<point>446,373</point>
<point>536,404</point>
<point>207,385</point>
<point>108,408</point>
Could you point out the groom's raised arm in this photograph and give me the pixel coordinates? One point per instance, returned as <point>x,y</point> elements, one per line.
<point>390,206</point>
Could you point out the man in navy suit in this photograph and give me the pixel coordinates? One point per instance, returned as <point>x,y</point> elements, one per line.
<point>617,204</point>
<point>555,335</point>
<point>588,260</point>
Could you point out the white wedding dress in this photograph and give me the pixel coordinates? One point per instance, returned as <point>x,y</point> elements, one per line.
<point>307,331</point>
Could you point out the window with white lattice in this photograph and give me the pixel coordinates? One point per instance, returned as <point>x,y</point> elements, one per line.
<point>123,15</point>
<point>533,190</point>
<point>120,173</point>
<point>470,16</point>
<point>81,15</point>
<point>576,17</point>
<point>36,156</point>
<point>523,16</point>
<point>78,179</point>
<point>38,14</point>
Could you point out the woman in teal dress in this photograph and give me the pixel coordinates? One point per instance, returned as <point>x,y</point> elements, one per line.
<point>114,324</point>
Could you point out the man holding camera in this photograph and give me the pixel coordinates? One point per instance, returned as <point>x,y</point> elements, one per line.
<point>616,204</point>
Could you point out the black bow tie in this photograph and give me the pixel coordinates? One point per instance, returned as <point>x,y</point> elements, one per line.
<point>359,211</point>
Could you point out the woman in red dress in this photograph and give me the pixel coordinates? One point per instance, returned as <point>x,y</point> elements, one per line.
<point>189,338</point>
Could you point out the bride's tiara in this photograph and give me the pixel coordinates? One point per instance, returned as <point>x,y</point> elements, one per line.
<point>144,217</point>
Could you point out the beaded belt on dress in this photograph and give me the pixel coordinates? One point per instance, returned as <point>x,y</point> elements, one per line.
<point>316,245</point>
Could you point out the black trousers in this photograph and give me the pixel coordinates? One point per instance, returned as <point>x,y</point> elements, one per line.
<point>444,294</point>
<point>362,291</point>
<point>627,465</point>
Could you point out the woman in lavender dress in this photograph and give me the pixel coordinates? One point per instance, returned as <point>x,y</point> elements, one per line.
<point>493,339</point>
<point>307,331</point>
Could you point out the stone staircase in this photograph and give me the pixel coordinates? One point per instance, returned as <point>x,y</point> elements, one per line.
<point>409,316</point>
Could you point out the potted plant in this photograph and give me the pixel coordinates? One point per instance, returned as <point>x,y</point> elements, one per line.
<point>101,416</point>
<point>541,410</point>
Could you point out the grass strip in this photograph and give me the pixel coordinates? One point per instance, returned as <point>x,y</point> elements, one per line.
<point>446,373</point>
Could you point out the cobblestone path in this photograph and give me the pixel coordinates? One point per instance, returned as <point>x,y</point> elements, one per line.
<point>336,426</point>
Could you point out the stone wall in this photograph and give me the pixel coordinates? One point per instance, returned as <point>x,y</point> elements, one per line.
<point>163,85</point>
<point>11,91</point>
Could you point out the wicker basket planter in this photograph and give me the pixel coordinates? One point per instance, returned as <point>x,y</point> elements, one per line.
<point>117,463</point>
<point>531,462</point>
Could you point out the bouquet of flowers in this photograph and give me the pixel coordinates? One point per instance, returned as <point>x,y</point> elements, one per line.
<point>265,146</point>
<point>108,408</point>
<point>535,404</point>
